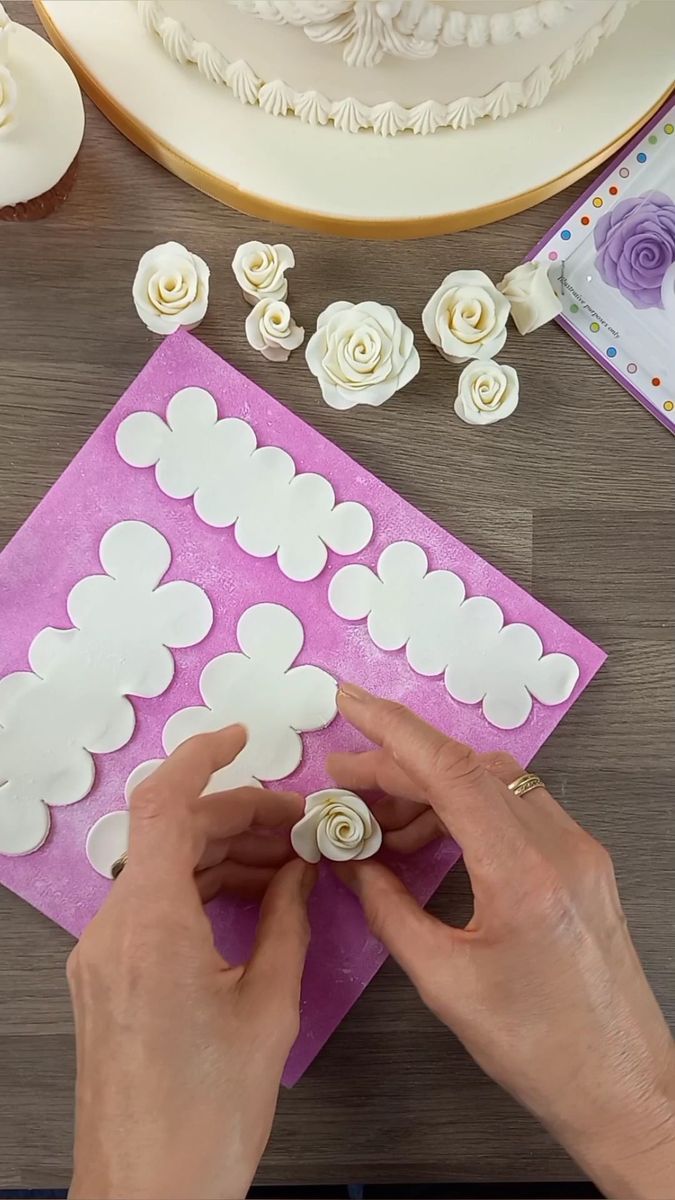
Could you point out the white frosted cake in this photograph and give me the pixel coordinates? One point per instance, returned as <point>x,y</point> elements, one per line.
<point>384,65</point>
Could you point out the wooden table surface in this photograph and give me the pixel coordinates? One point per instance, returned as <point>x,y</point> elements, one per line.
<point>573,497</point>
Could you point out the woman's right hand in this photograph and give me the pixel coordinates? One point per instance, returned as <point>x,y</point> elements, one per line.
<point>544,986</point>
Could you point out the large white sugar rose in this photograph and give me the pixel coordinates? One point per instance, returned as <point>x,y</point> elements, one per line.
<point>466,317</point>
<point>531,296</point>
<point>271,329</point>
<point>259,269</point>
<point>337,825</point>
<point>171,288</point>
<point>361,353</point>
<point>487,392</point>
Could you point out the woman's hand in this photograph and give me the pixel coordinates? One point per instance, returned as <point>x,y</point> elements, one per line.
<point>179,1056</point>
<point>544,986</point>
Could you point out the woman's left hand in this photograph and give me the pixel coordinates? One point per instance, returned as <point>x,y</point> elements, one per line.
<point>179,1055</point>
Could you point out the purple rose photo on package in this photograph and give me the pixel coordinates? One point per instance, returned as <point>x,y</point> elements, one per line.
<point>611,259</point>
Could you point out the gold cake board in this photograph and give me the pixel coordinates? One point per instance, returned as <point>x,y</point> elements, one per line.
<point>363,185</point>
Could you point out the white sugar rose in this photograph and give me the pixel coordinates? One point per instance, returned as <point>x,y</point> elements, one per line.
<point>466,317</point>
<point>259,269</point>
<point>361,353</point>
<point>271,329</point>
<point>531,296</point>
<point>337,825</point>
<point>488,392</point>
<point>171,288</point>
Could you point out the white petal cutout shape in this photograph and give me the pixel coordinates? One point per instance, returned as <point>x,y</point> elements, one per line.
<point>108,837</point>
<point>108,840</point>
<point>23,827</point>
<point>337,825</point>
<point>140,773</point>
<point>259,688</point>
<point>446,633</point>
<point>75,702</point>
<point>233,482</point>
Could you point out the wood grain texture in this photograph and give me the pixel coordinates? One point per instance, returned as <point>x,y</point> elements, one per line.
<point>574,497</point>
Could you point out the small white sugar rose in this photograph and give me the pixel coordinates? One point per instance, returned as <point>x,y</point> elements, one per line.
<point>487,392</point>
<point>337,825</point>
<point>259,269</point>
<point>171,288</point>
<point>361,353</point>
<point>466,317</point>
<point>532,298</point>
<point>271,329</point>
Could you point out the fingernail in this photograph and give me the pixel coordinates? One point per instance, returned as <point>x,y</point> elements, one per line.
<point>353,692</point>
<point>236,727</point>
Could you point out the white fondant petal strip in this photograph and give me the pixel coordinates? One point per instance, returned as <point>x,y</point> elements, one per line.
<point>444,632</point>
<point>530,293</point>
<point>257,687</point>
<point>73,702</point>
<point>232,482</point>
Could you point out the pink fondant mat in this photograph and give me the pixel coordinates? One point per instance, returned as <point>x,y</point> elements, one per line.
<point>58,545</point>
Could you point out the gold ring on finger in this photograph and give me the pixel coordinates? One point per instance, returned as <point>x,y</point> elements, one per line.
<point>525,783</point>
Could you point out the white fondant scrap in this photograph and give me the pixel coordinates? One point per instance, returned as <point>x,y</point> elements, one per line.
<point>108,840</point>
<point>530,293</point>
<point>73,702</point>
<point>444,632</point>
<point>260,270</point>
<point>487,392</point>
<point>171,288</point>
<point>270,328</point>
<point>273,510</point>
<point>361,353</point>
<point>466,317</point>
<point>259,688</point>
<point>338,825</point>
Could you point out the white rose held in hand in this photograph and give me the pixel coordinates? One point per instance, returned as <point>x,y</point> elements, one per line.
<point>361,353</point>
<point>260,270</point>
<point>466,317</point>
<point>171,288</point>
<point>488,392</point>
<point>532,298</point>
<point>337,825</point>
<point>271,329</point>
